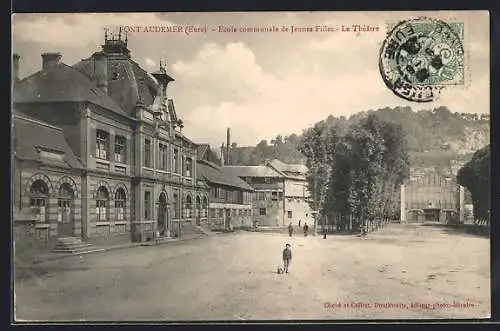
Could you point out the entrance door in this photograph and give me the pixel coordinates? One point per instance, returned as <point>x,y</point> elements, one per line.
<point>65,219</point>
<point>162,215</point>
<point>65,211</point>
<point>431,215</point>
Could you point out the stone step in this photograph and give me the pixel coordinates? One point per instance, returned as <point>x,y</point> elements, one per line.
<point>69,240</point>
<point>72,250</point>
<point>72,245</point>
<point>88,250</point>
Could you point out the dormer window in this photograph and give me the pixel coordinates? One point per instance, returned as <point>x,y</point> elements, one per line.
<point>50,154</point>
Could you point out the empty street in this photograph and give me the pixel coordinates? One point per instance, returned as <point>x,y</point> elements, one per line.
<point>402,271</point>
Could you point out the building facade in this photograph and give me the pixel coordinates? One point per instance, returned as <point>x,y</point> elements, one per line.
<point>433,198</point>
<point>297,196</point>
<point>268,199</point>
<point>124,166</point>
<point>46,180</point>
<point>281,196</point>
<point>230,197</point>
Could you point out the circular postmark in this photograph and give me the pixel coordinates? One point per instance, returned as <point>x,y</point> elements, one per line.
<point>421,56</point>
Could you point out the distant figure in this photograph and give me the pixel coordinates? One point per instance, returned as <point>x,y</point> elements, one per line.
<point>300,222</point>
<point>290,229</point>
<point>324,233</point>
<point>287,257</point>
<point>306,228</point>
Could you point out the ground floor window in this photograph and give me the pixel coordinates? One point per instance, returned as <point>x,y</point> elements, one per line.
<point>147,205</point>
<point>102,203</point>
<point>188,205</point>
<point>101,210</point>
<point>289,214</point>
<point>39,198</point>
<point>120,198</point>
<point>262,211</point>
<point>38,207</point>
<point>205,207</point>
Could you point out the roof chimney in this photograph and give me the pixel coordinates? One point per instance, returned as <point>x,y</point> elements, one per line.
<point>228,146</point>
<point>101,70</point>
<point>222,152</point>
<point>15,67</point>
<point>49,60</point>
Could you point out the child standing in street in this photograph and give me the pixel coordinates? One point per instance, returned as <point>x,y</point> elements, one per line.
<point>287,257</point>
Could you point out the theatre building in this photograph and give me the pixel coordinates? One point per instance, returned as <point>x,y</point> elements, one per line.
<point>432,197</point>
<point>101,152</point>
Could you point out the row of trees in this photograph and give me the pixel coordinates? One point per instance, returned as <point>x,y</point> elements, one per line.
<point>355,171</point>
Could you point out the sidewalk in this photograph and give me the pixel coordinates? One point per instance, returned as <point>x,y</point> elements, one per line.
<point>49,256</point>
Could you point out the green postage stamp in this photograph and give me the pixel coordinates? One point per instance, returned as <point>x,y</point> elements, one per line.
<point>421,56</point>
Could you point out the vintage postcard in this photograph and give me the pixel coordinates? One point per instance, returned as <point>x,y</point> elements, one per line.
<point>250,166</point>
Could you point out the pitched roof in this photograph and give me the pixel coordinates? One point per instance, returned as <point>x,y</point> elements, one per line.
<point>201,150</point>
<point>286,167</point>
<point>252,171</point>
<point>218,175</point>
<point>62,83</point>
<point>128,83</point>
<point>29,135</point>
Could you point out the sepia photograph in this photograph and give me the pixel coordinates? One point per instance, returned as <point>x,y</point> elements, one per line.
<point>250,166</point>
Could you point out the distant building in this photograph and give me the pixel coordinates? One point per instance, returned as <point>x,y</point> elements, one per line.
<point>268,200</point>
<point>281,195</point>
<point>432,198</point>
<point>297,195</point>
<point>230,197</point>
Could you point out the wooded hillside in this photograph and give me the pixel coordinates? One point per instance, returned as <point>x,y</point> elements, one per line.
<point>434,137</point>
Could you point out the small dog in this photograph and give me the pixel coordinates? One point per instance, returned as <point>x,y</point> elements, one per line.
<point>280,270</point>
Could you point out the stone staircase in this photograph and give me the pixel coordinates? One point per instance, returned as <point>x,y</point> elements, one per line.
<point>204,230</point>
<point>73,245</point>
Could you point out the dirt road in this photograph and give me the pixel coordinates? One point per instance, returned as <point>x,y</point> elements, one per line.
<point>403,271</point>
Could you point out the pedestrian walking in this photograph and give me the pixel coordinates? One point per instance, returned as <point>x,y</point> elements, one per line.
<point>299,223</point>
<point>287,257</point>
<point>290,229</point>
<point>306,228</point>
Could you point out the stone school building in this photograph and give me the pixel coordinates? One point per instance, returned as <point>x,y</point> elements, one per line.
<point>99,153</point>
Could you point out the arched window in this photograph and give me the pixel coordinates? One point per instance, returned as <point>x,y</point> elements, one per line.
<point>39,195</point>
<point>198,206</point>
<point>188,206</point>
<point>120,203</point>
<point>65,203</point>
<point>102,204</point>
<point>176,206</point>
<point>205,207</point>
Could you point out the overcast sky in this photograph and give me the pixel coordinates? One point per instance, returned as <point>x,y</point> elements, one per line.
<point>259,84</point>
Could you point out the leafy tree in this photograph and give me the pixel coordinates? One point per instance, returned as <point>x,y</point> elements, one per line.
<point>475,176</point>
